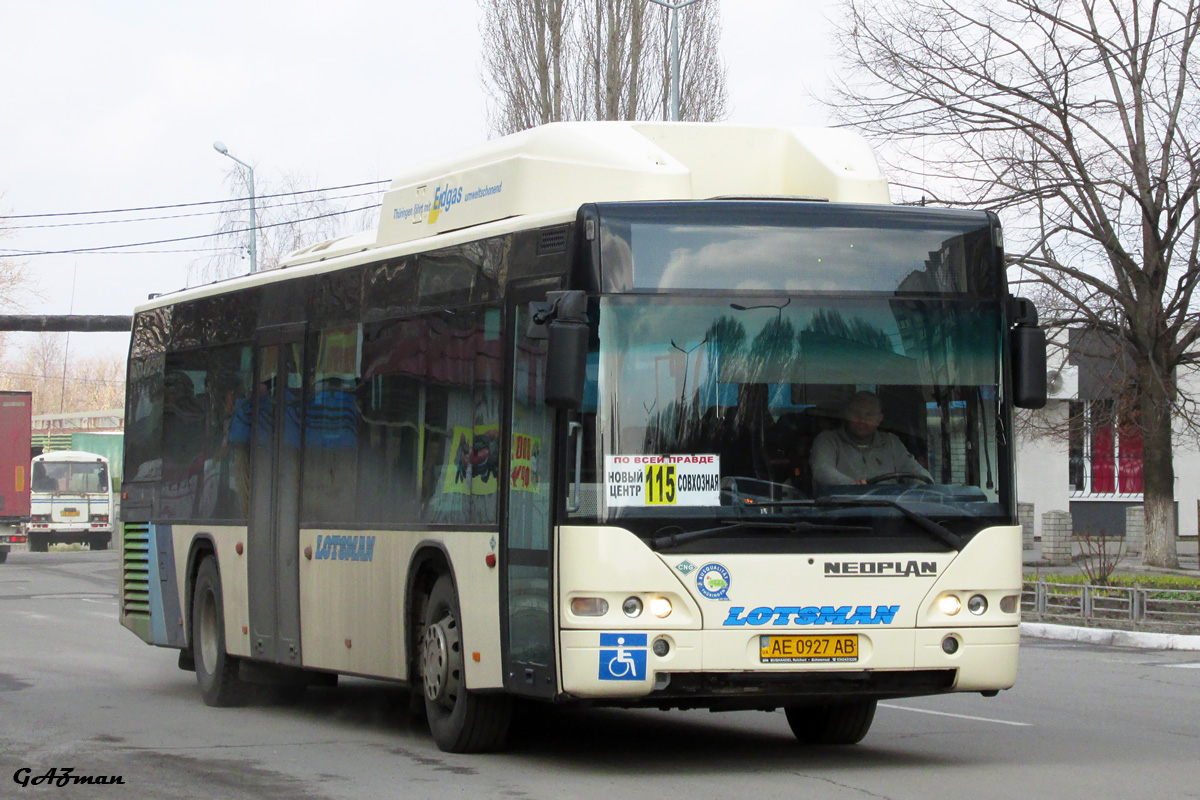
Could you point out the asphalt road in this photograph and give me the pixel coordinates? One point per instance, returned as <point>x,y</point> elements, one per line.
<point>79,691</point>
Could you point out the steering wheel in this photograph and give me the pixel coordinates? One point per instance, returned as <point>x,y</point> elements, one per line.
<point>912,477</point>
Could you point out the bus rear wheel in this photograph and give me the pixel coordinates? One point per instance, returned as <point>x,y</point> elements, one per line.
<point>216,670</point>
<point>461,721</point>
<point>832,723</point>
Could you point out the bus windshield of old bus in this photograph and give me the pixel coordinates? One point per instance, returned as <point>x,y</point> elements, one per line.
<point>798,407</point>
<point>69,476</point>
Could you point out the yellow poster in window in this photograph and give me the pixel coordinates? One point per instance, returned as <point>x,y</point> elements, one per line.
<point>474,463</point>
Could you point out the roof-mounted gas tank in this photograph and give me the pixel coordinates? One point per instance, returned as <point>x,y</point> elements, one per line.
<point>561,166</point>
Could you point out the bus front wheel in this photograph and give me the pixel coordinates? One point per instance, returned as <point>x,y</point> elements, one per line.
<point>216,670</point>
<point>832,723</point>
<point>461,720</point>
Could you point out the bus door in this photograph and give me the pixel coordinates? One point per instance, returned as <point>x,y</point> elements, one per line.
<point>527,519</point>
<point>274,537</point>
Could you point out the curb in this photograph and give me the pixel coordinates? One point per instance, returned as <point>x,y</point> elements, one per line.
<point>1111,638</point>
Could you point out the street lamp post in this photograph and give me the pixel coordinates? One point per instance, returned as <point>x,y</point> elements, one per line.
<point>223,150</point>
<point>674,6</point>
<point>779,309</point>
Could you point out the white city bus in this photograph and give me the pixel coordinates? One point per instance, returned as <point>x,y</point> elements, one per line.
<point>545,434</point>
<point>70,500</point>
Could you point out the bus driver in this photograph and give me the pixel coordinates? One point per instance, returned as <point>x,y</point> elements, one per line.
<point>858,452</point>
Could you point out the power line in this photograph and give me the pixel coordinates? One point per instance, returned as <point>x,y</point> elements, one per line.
<point>110,247</point>
<point>191,205</point>
<point>179,216</point>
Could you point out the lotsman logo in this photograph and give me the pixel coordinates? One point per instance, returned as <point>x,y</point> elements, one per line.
<point>812,615</point>
<point>345,548</point>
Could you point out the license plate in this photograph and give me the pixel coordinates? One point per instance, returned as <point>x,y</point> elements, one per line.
<point>70,512</point>
<point>808,649</point>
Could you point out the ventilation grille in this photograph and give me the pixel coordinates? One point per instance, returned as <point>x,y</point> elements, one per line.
<point>135,568</point>
<point>552,241</point>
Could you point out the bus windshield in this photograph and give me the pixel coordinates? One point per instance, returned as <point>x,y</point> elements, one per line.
<point>68,476</point>
<point>708,408</point>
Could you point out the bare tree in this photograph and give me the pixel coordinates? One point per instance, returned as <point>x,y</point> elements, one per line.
<point>554,60</point>
<point>1079,120</point>
<point>17,285</point>
<point>88,383</point>
<point>290,215</point>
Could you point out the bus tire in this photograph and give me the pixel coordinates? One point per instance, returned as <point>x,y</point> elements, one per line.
<point>99,543</point>
<point>216,670</point>
<point>832,723</point>
<point>39,543</point>
<point>461,721</point>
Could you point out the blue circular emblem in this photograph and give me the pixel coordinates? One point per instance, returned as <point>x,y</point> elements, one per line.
<point>713,581</point>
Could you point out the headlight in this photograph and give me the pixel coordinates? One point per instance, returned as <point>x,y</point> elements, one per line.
<point>949,605</point>
<point>660,607</point>
<point>632,607</point>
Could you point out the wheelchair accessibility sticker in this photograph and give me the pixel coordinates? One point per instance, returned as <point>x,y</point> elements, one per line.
<point>623,656</point>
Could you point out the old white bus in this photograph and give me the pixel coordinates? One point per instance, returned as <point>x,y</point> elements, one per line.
<point>70,500</point>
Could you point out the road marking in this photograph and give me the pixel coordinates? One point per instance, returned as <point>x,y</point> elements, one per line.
<point>1193,665</point>
<point>957,716</point>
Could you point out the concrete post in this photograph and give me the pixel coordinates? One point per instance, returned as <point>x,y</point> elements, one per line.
<point>1025,517</point>
<point>1056,538</point>
<point>1135,531</point>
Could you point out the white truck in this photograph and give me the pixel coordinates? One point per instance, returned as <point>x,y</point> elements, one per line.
<point>71,500</point>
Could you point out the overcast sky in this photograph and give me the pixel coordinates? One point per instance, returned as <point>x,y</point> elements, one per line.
<point>117,105</point>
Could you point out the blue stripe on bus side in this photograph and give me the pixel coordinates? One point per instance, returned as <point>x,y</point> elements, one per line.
<point>158,620</point>
<point>169,585</point>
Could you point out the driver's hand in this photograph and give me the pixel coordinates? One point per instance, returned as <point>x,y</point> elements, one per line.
<point>862,482</point>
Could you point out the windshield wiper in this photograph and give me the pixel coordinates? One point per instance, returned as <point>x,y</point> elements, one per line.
<point>935,529</point>
<point>800,526</point>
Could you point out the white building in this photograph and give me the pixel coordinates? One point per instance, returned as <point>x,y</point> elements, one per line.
<point>1079,456</point>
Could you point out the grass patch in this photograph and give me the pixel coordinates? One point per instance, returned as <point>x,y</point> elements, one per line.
<point>1167,586</point>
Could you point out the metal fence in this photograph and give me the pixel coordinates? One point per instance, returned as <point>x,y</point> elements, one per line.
<point>1174,608</point>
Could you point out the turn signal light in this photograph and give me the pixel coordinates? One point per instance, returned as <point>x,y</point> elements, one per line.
<point>589,606</point>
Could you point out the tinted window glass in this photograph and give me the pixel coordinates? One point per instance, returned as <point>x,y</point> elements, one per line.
<point>184,387</point>
<point>797,247</point>
<point>227,406</point>
<point>143,419</point>
<point>150,332</point>
<point>389,288</point>
<point>332,426</point>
